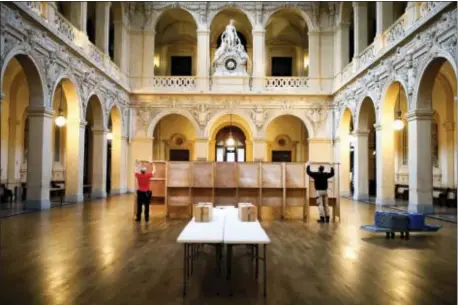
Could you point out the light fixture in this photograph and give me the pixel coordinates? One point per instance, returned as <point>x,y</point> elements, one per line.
<point>374,153</point>
<point>306,61</point>
<point>61,120</point>
<point>109,136</point>
<point>156,61</point>
<point>398,124</point>
<point>230,140</point>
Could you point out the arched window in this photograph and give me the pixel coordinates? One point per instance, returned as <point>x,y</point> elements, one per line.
<point>26,139</point>
<point>230,152</point>
<point>435,140</point>
<point>405,144</point>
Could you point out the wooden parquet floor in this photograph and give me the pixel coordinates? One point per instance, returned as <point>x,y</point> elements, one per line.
<point>94,254</point>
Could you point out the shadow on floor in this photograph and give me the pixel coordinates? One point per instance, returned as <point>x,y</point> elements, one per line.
<point>414,242</point>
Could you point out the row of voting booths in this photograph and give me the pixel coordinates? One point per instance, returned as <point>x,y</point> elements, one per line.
<point>280,190</point>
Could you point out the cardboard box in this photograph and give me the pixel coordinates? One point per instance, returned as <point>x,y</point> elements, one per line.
<point>247,212</point>
<point>203,212</point>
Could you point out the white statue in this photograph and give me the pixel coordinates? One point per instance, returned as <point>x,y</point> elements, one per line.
<point>231,57</point>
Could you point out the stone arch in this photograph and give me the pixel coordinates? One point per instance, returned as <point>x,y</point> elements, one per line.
<point>94,104</point>
<point>252,131</point>
<point>236,6</point>
<point>167,112</point>
<point>429,69</point>
<point>383,100</point>
<point>299,11</point>
<point>70,86</point>
<point>171,7</point>
<point>35,78</point>
<point>361,115</point>
<point>303,118</point>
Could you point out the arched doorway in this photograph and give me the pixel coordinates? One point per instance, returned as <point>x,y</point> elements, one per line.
<point>24,125</point>
<point>230,145</point>
<point>174,137</point>
<point>345,152</point>
<point>365,152</point>
<point>287,137</point>
<point>392,163</point>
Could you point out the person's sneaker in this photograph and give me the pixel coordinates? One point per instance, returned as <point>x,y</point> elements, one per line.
<point>327,218</point>
<point>321,220</point>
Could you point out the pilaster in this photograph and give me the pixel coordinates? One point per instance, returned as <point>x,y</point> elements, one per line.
<point>148,51</point>
<point>314,57</point>
<point>259,150</point>
<point>121,57</point>
<point>99,163</point>
<point>341,47</point>
<point>39,164</point>
<point>320,150</point>
<point>385,164</point>
<point>74,161</point>
<point>102,26</point>
<point>420,161</point>
<point>201,149</point>
<point>361,165</point>
<point>203,58</point>
<point>361,26</point>
<point>259,58</point>
<point>384,11</point>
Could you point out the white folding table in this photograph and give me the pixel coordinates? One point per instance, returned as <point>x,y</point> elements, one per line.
<point>196,234</point>
<point>237,232</point>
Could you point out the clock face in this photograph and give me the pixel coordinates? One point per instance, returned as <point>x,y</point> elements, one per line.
<point>230,64</point>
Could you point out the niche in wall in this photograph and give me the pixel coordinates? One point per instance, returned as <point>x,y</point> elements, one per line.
<point>282,66</point>
<point>181,65</point>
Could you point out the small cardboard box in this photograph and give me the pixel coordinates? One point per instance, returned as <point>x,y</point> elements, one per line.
<point>248,212</point>
<point>203,212</point>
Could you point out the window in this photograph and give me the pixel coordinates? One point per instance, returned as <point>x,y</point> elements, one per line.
<point>282,66</point>
<point>435,142</point>
<point>281,156</point>
<point>226,153</point>
<point>179,155</point>
<point>405,145</point>
<point>181,66</point>
<point>57,139</point>
<point>220,154</point>
<point>26,139</point>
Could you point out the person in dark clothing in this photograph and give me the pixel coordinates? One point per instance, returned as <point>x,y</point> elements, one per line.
<point>320,179</point>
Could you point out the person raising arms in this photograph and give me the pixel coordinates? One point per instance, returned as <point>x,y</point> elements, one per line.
<point>143,189</point>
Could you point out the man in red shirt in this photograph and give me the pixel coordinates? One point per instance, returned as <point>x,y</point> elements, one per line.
<point>143,190</point>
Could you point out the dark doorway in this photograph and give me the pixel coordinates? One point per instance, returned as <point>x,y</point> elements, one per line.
<point>179,155</point>
<point>282,66</point>
<point>281,156</point>
<point>87,135</point>
<point>108,168</point>
<point>181,66</point>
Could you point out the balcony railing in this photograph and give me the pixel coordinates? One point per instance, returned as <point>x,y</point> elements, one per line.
<point>65,30</point>
<point>174,83</point>
<point>273,83</point>
<point>402,27</point>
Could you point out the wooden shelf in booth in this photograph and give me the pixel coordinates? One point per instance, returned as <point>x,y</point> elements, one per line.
<point>178,174</point>
<point>157,187</point>
<point>202,174</point>
<point>157,179</point>
<point>294,175</point>
<point>225,175</point>
<point>272,175</point>
<point>248,175</point>
<point>225,196</point>
<point>251,195</point>
<point>202,195</point>
<point>178,196</point>
<point>160,169</point>
<point>295,197</point>
<point>272,197</point>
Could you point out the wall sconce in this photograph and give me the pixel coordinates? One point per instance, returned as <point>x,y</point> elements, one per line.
<point>109,136</point>
<point>156,61</point>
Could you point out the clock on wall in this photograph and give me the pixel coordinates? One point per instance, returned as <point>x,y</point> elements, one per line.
<point>230,64</point>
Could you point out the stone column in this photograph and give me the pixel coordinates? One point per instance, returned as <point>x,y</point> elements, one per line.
<point>361,165</point>
<point>320,150</point>
<point>99,163</point>
<point>314,57</point>
<point>116,157</point>
<point>201,149</point>
<point>203,58</point>
<point>79,15</point>
<point>121,52</point>
<point>343,157</point>
<point>102,25</point>
<point>259,57</point>
<point>384,16</point>
<point>361,18</point>
<point>74,160</point>
<point>299,152</point>
<point>385,165</point>
<point>341,47</point>
<point>148,57</point>
<point>39,165</point>
<point>123,166</point>
<point>259,150</point>
<point>420,161</point>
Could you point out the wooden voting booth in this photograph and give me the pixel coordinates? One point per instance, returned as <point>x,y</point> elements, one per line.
<point>278,190</point>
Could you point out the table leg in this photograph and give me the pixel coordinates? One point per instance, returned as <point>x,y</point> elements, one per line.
<point>265,270</point>
<point>192,258</point>
<point>229,267</point>
<point>185,268</point>
<point>256,249</point>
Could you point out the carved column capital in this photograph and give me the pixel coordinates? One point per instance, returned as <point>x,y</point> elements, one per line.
<point>419,114</point>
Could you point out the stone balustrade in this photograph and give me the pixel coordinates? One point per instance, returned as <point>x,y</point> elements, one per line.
<point>395,32</point>
<point>284,83</point>
<point>64,27</point>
